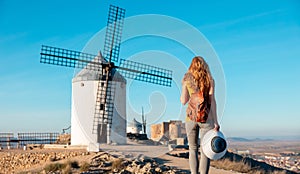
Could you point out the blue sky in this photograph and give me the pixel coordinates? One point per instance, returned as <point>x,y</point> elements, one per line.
<point>257,44</point>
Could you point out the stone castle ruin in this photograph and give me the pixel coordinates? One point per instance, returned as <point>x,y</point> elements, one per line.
<point>172,132</point>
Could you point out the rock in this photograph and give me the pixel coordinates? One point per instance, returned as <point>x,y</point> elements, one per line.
<point>148,165</point>
<point>101,162</point>
<point>11,162</point>
<point>64,139</point>
<point>158,169</point>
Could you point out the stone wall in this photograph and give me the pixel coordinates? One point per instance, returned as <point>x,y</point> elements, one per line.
<point>17,160</point>
<point>156,131</point>
<point>172,130</point>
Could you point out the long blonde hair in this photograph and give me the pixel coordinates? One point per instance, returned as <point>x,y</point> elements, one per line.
<point>200,71</point>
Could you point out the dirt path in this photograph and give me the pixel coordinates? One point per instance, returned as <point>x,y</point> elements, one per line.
<point>157,152</point>
<point>183,164</point>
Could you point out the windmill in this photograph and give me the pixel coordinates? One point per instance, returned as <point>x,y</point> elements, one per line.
<point>144,121</point>
<point>107,73</point>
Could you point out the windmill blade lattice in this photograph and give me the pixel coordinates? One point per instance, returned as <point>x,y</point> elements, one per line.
<point>113,33</point>
<point>105,69</point>
<point>129,69</point>
<point>104,105</point>
<point>111,53</point>
<point>145,73</point>
<point>69,58</point>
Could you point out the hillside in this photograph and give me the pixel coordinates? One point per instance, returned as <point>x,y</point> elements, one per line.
<point>133,157</point>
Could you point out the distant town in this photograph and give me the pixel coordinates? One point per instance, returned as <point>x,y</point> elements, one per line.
<point>281,154</point>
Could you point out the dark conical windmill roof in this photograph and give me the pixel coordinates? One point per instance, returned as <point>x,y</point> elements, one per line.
<point>86,74</point>
<point>135,123</point>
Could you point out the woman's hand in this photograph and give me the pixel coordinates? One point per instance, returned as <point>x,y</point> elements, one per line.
<point>217,127</point>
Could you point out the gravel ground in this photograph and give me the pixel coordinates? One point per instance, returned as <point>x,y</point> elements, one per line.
<point>132,150</point>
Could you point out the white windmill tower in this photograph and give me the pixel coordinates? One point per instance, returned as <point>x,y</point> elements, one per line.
<point>84,94</point>
<point>99,89</point>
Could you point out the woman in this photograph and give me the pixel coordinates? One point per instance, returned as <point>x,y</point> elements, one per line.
<point>198,79</point>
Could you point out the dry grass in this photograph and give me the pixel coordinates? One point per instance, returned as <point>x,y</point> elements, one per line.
<point>54,167</point>
<point>84,167</point>
<point>73,164</point>
<point>117,164</point>
<point>226,164</point>
<point>263,172</point>
<point>65,168</point>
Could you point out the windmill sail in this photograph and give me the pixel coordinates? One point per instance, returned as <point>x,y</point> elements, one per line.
<point>145,73</point>
<point>104,72</point>
<point>68,58</point>
<point>129,69</point>
<point>113,33</point>
<point>104,105</point>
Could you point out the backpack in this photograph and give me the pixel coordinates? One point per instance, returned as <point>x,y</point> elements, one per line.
<point>198,107</point>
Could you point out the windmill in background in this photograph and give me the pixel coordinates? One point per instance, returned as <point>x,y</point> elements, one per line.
<point>99,89</point>
<point>137,130</point>
<point>144,121</point>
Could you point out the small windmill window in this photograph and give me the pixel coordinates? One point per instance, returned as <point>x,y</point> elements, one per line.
<point>102,107</point>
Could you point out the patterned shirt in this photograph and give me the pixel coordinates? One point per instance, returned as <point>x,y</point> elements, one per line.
<point>190,87</point>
